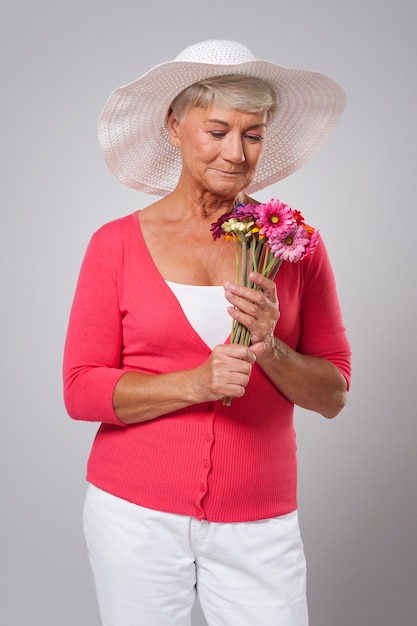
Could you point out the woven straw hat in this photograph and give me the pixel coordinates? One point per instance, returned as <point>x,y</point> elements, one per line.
<point>133,131</point>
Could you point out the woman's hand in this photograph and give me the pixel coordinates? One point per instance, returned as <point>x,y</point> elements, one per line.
<point>310,382</point>
<point>140,397</point>
<point>258,310</point>
<point>226,372</point>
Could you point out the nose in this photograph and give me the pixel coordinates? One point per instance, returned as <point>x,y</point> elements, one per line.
<point>233,148</point>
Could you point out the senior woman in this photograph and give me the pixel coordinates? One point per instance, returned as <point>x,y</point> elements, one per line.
<point>188,495</point>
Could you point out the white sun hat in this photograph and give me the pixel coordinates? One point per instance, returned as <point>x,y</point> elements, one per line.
<point>133,125</point>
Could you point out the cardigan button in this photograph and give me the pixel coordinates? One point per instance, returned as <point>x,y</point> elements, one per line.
<point>209,437</point>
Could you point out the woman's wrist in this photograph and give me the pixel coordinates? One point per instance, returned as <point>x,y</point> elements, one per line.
<point>273,347</point>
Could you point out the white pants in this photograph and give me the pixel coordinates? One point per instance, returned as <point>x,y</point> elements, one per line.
<point>148,566</point>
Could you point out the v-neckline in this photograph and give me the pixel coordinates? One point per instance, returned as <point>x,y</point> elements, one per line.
<point>165,286</point>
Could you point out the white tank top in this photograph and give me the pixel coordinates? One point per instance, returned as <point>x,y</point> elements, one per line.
<point>205,308</point>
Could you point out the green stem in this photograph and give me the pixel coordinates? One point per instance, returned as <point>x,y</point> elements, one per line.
<point>237,264</point>
<point>244,262</point>
<point>275,268</point>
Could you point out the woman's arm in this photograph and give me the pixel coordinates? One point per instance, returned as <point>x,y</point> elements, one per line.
<point>95,386</point>
<point>311,382</point>
<point>140,397</point>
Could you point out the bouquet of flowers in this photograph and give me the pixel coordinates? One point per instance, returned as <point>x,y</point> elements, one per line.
<point>265,235</point>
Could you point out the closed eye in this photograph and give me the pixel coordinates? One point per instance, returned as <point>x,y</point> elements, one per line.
<point>254,138</point>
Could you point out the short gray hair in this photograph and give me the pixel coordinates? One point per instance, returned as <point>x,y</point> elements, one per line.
<point>241,93</point>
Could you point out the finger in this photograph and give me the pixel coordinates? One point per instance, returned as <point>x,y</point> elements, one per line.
<point>239,292</point>
<point>263,318</point>
<point>266,285</point>
<point>257,348</point>
<point>249,300</point>
<point>251,356</point>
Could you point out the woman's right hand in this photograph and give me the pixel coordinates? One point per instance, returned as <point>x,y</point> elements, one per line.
<point>140,397</point>
<point>226,372</point>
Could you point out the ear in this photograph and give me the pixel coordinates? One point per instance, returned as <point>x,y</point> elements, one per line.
<point>172,124</point>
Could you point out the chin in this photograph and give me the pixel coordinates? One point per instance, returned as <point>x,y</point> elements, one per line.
<point>221,188</point>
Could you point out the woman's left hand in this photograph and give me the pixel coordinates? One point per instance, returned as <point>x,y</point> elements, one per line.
<point>258,310</point>
<point>310,382</point>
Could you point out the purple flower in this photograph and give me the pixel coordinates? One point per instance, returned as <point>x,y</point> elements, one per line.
<point>216,227</point>
<point>246,211</point>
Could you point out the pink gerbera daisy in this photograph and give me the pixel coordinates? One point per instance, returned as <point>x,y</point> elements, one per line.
<point>274,218</point>
<point>292,246</point>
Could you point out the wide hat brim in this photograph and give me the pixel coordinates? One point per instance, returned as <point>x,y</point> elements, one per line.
<point>135,141</point>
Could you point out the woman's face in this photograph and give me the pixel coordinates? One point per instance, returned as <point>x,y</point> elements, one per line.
<point>220,147</point>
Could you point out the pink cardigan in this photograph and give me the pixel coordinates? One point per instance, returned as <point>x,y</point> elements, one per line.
<point>218,463</point>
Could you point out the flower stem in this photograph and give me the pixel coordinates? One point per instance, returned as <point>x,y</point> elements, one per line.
<point>244,280</point>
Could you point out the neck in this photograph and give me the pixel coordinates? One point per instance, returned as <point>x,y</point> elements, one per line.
<point>202,204</point>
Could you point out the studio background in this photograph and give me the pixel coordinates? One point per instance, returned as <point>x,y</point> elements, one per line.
<point>358,507</point>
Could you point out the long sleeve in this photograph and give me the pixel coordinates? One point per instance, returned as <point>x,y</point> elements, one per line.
<point>92,348</point>
<point>322,332</point>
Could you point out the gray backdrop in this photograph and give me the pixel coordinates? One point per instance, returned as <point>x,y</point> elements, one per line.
<point>59,62</point>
